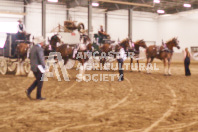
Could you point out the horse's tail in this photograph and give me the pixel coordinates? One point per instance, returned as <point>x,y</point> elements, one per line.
<point>81,26</point>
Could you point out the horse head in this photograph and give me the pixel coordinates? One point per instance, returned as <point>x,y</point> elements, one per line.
<point>117,48</point>
<point>89,47</point>
<point>85,39</point>
<point>176,43</point>
<point>55,39</point>
<point>125,43</point>
<point>141,43</point>
<point>173,43</point>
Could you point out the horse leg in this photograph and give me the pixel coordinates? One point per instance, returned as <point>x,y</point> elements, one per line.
<point>169,71</point>
<point>81,72</point>
<point>131,64</point>
<point>138,66</point>
<point>152,58</point>
<point>65,62</point>
<point>101,61</point>
<point>165,73</point>
<point>148,59</point>
<point>84,68</point>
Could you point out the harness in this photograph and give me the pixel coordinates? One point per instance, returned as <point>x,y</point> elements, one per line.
<point>165,49</point>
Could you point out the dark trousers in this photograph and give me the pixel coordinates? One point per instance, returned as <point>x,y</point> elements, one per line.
<point>37,83</point>
<point>186,64</point>
<point>121,71</point>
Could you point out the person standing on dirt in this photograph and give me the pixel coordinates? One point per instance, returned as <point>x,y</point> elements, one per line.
<point>187,56</point>
<point>37,61</point>
<point>120,58</point>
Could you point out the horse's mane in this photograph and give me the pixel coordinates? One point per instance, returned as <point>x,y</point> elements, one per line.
<point>167,42</point>
<point>138,41</point>
<point>123,41</point>
<point>54,36</point>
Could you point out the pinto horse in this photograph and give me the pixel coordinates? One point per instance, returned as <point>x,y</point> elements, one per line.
<point>106,48</point>
<point>136,51</point>
<point>154,51</point>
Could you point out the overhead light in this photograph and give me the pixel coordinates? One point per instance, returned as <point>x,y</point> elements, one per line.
<point>160,11</point>
<point>52,0</point>
<point>187,5</point>
<point>156,1</point>
<point>95,4</point>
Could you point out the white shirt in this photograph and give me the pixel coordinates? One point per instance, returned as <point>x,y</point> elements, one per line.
<point>19,30</point>
<point>38,45</point>
<point>122,54</point>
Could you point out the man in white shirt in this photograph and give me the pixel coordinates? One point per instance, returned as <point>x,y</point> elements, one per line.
<point>21,30</point>
<point>121,58</point>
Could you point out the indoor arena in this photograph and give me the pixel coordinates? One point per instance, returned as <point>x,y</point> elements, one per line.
<point>98,66</point>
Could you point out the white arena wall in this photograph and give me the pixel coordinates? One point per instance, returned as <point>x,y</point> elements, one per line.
<point>183,25</point>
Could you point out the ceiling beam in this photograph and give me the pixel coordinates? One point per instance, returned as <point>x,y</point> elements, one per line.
<point>116,5</point>
<point>13,13</point>
<point>125,3</point>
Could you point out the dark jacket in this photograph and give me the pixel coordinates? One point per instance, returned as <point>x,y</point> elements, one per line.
<point>36,58</point>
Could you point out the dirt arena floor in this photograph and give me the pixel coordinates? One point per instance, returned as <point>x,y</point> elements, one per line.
<point>141,103</point>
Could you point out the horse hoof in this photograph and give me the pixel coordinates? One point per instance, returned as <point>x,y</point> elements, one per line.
<point>139,71</point>
<point>165,74</point>
<point>169,74</point>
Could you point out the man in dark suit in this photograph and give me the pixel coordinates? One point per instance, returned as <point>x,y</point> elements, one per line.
<point>36,59</point>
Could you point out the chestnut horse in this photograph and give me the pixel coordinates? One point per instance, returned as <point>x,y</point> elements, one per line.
<point>22,48</point>
<point>21,52</point>
<point>154,51</point>
<point>136,51</point>
<point>67,51</point>
<point>107,48</point>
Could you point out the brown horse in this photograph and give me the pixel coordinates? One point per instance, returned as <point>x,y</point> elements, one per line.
<point>154,51</point>
<point>22,48</point>
<point>21,52</point>
<point>136,51</point>
<point>67,51</point>
<point>107,48</point>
